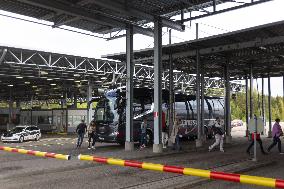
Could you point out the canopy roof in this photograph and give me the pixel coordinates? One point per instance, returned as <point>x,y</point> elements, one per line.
<point>262,46</point>
<point>106,16</point>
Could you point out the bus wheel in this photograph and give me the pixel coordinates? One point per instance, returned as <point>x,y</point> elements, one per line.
<point>149,138</point>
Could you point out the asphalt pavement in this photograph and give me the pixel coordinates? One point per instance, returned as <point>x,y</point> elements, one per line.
<point>26,171</point>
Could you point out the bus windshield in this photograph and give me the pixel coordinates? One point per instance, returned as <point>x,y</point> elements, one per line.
<point>106,110</point>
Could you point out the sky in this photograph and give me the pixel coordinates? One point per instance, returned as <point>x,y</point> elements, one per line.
<point>22,34</point>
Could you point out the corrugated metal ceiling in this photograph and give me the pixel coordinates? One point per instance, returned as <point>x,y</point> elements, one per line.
<point>53,11</point>
<point>262,46</point>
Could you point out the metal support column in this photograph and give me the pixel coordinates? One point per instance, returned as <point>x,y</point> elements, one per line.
<point>9,124</point>
<point>283,89</point>
<point>269,108</point>
<point>75,100</point>
<point>227,104</point>
<point>171,95</point>
<point>251,92</point>
<point>89,98</point>
<point>157,146</point>
<point>199,137</point>
<point>129,144</point>
<point>262,102</point>
<point>214,5</point>
<point>202,103</point>
<point>32,110</point>
<point>247,108</point>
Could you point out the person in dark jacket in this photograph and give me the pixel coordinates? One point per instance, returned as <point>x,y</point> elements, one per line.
<point>81,130</point>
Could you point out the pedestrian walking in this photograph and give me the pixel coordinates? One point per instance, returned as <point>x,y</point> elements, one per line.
<point>92,135</point>
<point>219,135</point>
<point>175,135</point>
<point>276,133</point>
<point>165,135</point>
<point>143,130</point>
<point>81,130</point>
<point>258,139</point>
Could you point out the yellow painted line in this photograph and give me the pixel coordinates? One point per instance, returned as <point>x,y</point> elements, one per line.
<point>196,172</point>
<point>262,181</point>
<point>152,166</point>
<point>113,161</point>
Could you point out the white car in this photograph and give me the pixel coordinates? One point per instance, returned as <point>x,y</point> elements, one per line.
<point>21,134</point>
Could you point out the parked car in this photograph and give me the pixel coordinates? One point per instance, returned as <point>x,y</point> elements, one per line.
<point>21,134</point>
<point>237,123</point>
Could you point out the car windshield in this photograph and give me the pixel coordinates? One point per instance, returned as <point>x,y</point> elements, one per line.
<point>17,130</point>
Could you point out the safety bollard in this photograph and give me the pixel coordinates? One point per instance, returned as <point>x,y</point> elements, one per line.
<point>36,153</point>
<point>231,177</point>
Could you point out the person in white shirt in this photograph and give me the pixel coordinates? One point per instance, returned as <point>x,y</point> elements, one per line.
<point>219,135</point>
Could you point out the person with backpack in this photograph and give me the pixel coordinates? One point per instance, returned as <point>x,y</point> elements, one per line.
<point>276,133</point>
<point>219,135</point>
<point>92,135</point>
<point>81,130</point>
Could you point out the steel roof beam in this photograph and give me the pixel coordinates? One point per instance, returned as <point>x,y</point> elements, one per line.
<point>220,49</point>
<point>83,14</point>
<point>112,5</point>
<point>225,10</point>
<point>4,51</point>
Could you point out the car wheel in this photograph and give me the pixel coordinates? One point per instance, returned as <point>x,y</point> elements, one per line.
<point>21,139</point>
<point>37,138</point>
